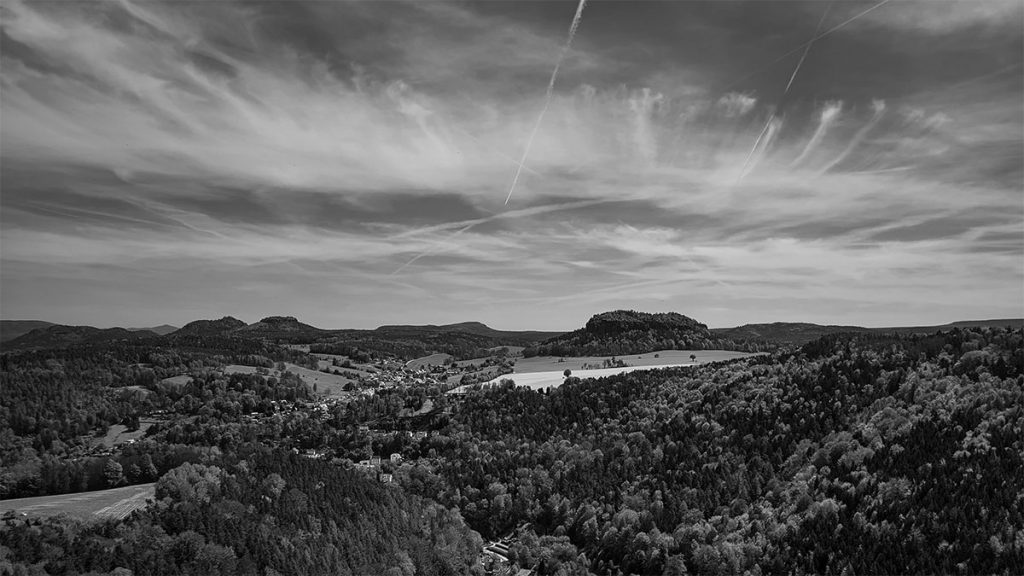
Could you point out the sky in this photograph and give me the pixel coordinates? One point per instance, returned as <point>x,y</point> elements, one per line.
<point>347,163</point>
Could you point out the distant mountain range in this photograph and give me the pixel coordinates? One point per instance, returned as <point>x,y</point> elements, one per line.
<point>796,333</point>
<point>616,332</point>
<point>60,336</point>
<point>162,329</point>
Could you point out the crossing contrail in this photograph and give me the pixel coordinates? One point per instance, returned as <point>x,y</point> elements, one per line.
<point>434,248</point>
<point>811,41</point>
<point>547,97</point>
<point>465,225</point>
<point>806,50</point>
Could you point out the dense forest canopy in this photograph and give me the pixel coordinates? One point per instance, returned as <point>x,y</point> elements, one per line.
<point>854,454</point>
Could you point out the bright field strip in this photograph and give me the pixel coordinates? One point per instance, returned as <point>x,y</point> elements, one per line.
<point>112,503</point>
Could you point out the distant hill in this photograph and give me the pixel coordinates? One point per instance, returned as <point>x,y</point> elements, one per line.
<point>788,333</point>
<point>11,329</point>
<point>631,332</point>
<point>504,337</point>
<point>209,327</point>
<point>162,329</point>
<point>280,328</point>
<point>1002,322</point>
<point>59,336</point>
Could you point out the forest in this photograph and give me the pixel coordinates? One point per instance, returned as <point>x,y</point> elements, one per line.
<point>853,454</point>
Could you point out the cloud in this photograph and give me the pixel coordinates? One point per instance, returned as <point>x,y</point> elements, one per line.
<point>320,149</point>
<point>735,104</point>
<point>878,109</point>
<point>954,15</point>
<point>829,114</point>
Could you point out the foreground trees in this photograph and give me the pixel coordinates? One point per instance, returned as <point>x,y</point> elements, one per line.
<point>267,513</point>
<point>873,454</point>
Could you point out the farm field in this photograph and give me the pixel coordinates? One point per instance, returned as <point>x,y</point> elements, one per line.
<point>555,378</point>
<point>327,384</point>
<point>113,503</point>
<point>547,372</point>
<point>665,357</point>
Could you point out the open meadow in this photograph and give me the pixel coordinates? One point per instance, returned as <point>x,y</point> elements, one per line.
<point>119,434</point>
<point>113,503</point>
<point>549,371</point>
<point>657,358</point>
<point>326,384</point>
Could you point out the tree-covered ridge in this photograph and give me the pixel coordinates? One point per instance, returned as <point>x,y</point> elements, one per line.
<point>52,402</point>
<point>267,513</point>
<point>630,332</point>
<point>866,455</point>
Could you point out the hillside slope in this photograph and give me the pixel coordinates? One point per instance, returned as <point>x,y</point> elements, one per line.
<point>11,329</point>
<point>209,327</point>
<point>59,336</point>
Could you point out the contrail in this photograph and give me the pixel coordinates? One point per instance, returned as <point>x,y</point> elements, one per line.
<point>879,106</point>
<point>828,116</point>
<point>812,40</point>
<point>467,224</point>
<point>547,97</point>
<point>750,154</point>
<point>434,248</point>
<point>806,50</point>
<point>744,171</point>
<point>495,151</point>
<point>768,134</point>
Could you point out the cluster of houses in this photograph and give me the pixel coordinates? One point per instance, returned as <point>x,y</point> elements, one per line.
<point>373,466</point>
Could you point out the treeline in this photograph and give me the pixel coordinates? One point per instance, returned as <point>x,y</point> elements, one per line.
<point>864,455</point>
<point>257,512</point>
<point>365,346</point>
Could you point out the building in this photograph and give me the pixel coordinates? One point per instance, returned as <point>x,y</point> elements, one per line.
<point>386,478</point>
<point>396,458</point>
<point>375,461</point>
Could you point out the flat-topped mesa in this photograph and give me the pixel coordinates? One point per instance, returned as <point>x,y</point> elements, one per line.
<point>279,323</point>
<point>631,332</point>
<point>623,321</point>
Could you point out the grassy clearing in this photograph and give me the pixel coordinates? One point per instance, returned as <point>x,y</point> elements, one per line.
<point>362,369</point>
<point>118,434</point>
<point>113,503</point>
<point>326,384</point>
